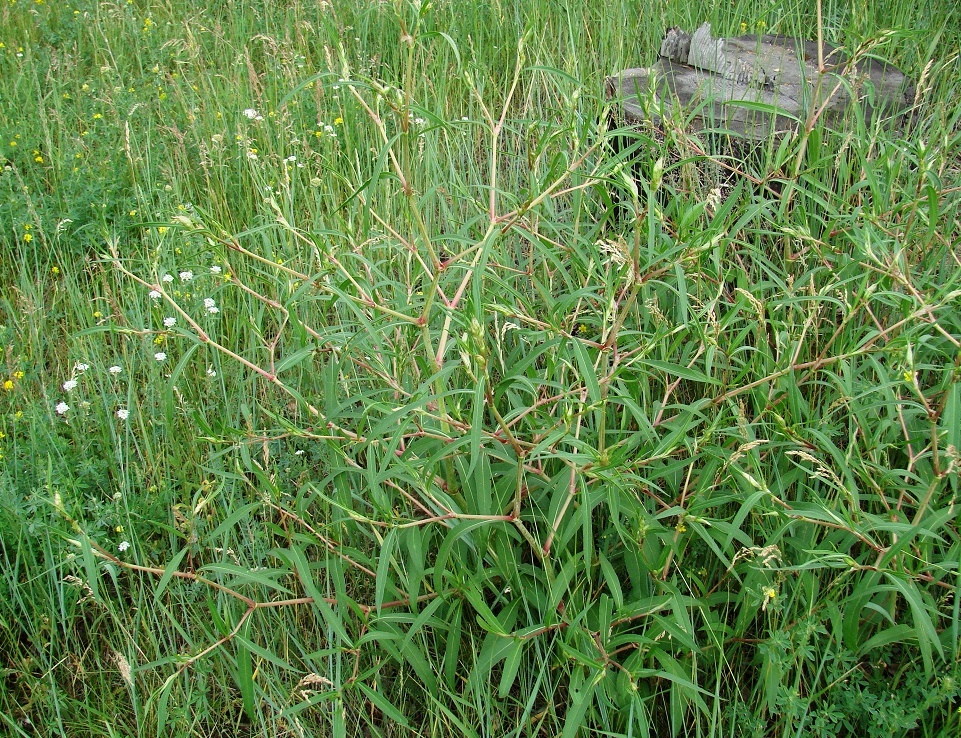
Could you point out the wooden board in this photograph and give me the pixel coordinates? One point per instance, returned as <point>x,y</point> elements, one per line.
<point>755,86</point>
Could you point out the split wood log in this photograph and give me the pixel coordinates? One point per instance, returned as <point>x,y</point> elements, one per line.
<point>755,87</point>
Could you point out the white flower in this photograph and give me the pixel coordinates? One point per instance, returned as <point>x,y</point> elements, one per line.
<point>213,310</point>
<point>170,322</point>
<point>211,372</point>
<point>168,278</point>
<point>160,356</point>
<point>186,276</point>
<point>62,408</point>
<point>215,269</point>
<point>210,305</point>
<point>123,413</point>
<point>154,295</point>
<point>80,367</point>
<point>69,385</point>
<point>115,369</point>
<point>252,156</point>
<point>253,114</point>
<point>124,545</point>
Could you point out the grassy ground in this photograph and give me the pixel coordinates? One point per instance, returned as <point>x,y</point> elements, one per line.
<point>352,387</point>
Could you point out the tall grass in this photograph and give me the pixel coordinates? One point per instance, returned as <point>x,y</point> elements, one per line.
<point>356,383</point>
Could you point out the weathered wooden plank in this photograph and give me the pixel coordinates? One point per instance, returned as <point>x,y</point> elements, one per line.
<point>721,82</point>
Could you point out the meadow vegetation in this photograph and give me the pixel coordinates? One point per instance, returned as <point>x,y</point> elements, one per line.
<point>355,383</point>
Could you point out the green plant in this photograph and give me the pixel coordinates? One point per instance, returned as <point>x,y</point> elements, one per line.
<point>410,435</point>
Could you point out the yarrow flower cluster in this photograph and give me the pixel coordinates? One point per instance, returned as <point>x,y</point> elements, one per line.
<point>170,322</point>
<point>160,356</point>
<point>71,384</point>
<point>252,114</point>
<point>210,305</point>
<point>62,408</point>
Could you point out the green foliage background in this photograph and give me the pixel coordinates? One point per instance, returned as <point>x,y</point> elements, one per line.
<point>462,412</point>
